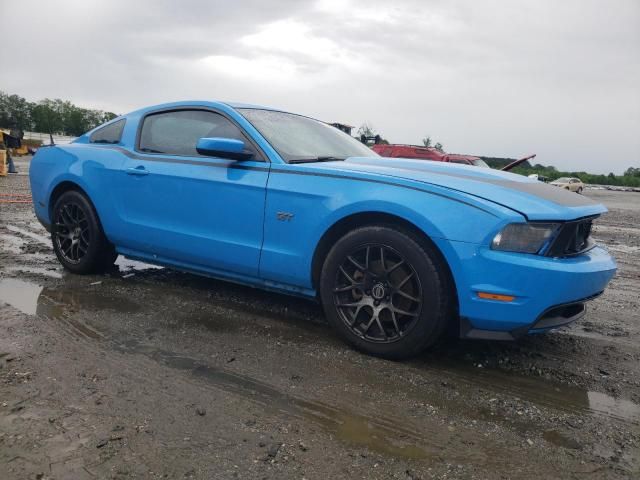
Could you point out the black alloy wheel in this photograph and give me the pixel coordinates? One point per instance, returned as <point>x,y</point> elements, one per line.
<point>72,233</point>
<point>77,236</point>
<point>386,291</point>
<point>377,293</point>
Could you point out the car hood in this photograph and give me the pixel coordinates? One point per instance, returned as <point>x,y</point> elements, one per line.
<point>529,197</point>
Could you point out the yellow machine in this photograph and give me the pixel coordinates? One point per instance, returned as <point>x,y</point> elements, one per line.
<point>17,152</point>
<point>3,163</point>
<point>3,153</point>
<point>23,150</point>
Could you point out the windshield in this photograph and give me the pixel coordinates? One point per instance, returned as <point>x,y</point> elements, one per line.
<point>478,162</point>
<point>298,138</point>
<point>563,180</point>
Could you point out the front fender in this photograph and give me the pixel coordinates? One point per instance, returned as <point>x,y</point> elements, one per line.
<point>313,204</point>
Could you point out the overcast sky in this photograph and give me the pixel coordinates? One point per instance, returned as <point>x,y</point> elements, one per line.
<point>502,78</point>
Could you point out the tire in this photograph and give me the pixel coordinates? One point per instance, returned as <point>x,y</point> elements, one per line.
<point>580,190</point>
<point>385,292</point>
<point>77,236</point>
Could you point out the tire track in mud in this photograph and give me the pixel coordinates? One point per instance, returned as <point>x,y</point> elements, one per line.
<point>59,306</point>
<point>557,397</point>
<point>389,436</point>
<point>32,235</point>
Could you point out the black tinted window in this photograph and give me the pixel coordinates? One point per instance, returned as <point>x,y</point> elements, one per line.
<point>111,133</point>
<point>177,133</point>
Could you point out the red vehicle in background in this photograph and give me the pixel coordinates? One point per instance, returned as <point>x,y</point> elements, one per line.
<point>426,153</point>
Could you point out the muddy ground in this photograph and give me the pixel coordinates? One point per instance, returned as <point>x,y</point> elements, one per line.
<point>149,373</point>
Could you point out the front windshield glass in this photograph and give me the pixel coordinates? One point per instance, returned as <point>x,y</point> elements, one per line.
<point>298,138</point>
<point>563,180</point>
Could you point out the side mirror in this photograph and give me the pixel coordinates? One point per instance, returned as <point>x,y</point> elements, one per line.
<point>224,148</point>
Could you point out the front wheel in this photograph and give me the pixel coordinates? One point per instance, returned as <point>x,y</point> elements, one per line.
<point>77,236</point>
<point>580,190</point>
<point>385,292</point>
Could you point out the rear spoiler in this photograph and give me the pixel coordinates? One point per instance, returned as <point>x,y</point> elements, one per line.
<point>515,163</point>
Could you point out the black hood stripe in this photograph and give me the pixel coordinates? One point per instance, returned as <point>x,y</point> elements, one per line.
<point>550,193</point>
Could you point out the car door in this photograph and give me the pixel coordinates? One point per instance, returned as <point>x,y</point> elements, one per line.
<point>191,210</point>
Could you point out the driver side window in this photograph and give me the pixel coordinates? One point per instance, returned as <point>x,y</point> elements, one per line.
<point>177,132</point>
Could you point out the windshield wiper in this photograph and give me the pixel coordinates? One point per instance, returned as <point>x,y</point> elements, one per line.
<point>316,159</point>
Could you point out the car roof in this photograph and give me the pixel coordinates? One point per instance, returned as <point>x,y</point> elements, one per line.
<point>204,103</point>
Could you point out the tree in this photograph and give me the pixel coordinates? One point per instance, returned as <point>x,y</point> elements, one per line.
<point>108,116</point>
<point>367,130</point>
<point>632,172</point>
<point>428,142</point>
<point>15,112</point>
<point>47,117</point>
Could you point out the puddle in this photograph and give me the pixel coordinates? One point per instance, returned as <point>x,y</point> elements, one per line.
<point>617,407</point>
<point>544,393</point>
<point>382,434</point>
<point>60,304</point>
<point>21,295</point>
<point>76,299</point>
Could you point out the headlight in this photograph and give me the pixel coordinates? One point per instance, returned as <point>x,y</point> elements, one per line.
<point>524,237</point>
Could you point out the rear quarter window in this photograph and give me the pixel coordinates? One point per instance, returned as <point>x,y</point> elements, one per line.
<point>111,133</point>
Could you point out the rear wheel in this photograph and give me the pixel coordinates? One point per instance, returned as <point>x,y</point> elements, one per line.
<point>77,236</point>
<point>384,292</point>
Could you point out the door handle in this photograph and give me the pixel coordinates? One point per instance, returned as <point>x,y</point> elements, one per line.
<point>139,170</point>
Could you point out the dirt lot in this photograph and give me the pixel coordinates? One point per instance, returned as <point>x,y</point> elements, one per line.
<point>149,373</point>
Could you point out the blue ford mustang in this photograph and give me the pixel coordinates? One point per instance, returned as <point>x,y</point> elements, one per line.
<point>396,250</point>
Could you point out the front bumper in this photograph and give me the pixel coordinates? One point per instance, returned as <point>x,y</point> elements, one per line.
<point>554,317</point>
<point>548,292</point>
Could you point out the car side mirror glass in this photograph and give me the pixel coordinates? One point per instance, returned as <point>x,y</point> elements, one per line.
<point>223,147</point>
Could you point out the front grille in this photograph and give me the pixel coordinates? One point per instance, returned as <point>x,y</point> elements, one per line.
<point>572,239</point>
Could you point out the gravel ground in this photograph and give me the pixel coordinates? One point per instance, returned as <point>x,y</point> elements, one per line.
<point>149,373</point>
